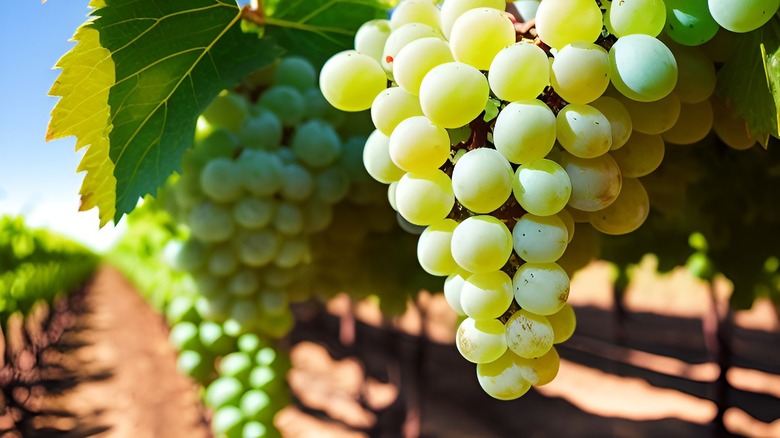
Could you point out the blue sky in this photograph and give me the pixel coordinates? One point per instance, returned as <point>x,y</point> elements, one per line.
<point>39,179</point>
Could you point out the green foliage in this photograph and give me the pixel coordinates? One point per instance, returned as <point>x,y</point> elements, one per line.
<point>38,265</point>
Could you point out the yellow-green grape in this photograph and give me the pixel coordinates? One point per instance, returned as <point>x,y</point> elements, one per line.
<point>297,183</point>
<point>481,341</point>
<point>371,37</point>
<point>730,128</point>
<point>222,262</point>
<point>503,378</point>
<point>417,145</point>
<point>288,219</point>
<point>562,22</point>
<point>486,295</point>
<point>453,286</point>
<point>696,74</point>
<point>528,335</point>
<point>654,117</point>
<point>453,94</point>
<point>619,119</point>
<point>583,131</point>
<point>243,283</point>
<point>694,123</point>
<point>424,198</point>
<point>296,72</point>
<point>563,323</point>
<point>261,172</point>
<point>637,16</point>
<point>227,110</point>
<point>261,131</point>
<point>541,239</point>
<point>541,288</point>
<point>376,159</point>
<point>434,250</point>
<point>482,180</point>
<point>401,37</point>
<point>286,102</point>
<point>350,80</point>
<point>580,72</point>
<point>541,370</point>
<point>415,11</point>
<point>479,34</point>
<point>568,221</point>
<point>316,143</point>
<point>257,248</point>
<point>627,213</point>
<point>481,244</point>
<point>220,180</point>
<point>525,131</point>
<point>642,68</point>
<point>641,155</point>
<point>452,9</point>
<point>542,187</point>
<point>416,59</point>
<point>293,251</point>
<point>519,72</point>
<point>331,185</point>
<point>595,182</point>
<point>393,106</point>
<point>742,15</point>
<point>211,222</point>
<point>689,22</point>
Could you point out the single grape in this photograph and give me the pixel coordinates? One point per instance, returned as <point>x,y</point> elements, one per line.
<point>540,239</point>
<point>392,107</point>
<point>453,94</point>
<point>486,295</point>
<point>424,198</point>
<point>416,59</point>
<point>638,16</point>
<point>434,250</point>
<point>541,288</point>
<point>502,378</point>
<point>595,182</point>
<point>452,9</point>
<point>742,15</point>
<point>257,248</point>
<point>316,143</point>
<point>641,155</point>
<point>418,146</point>
<point>519,72</point>
<point>528,335</point>
<point>377,160</point>
<point>583,131</point>
<point>653,117</point>
<point>481,244</point>
<point>479,34</point>
<point>222,262</point>
<point>482,180</point>
<point>350,80</point>
<point>227,110</point>
<point>286,102</point>
<point>642,68</point>
<point>563,323</point>
<point>211,223</point>
<point>619,119</point>
<point>221,181</point>
<point>689,22</point>
<point>562,22</point>
<point>296,72</point>
<point>540,370</point>
<point>580,72</point>
<point>253,213</point>
<point>261,131</point>
<point>261,172</point>
<point>627,213</point>
<point>525,131</point>
<point>402,36</point>
<point>481,341</point>
<point>371,37</point>
<point>542,187</point>
<point>415,11</point>
<point>694,123</point>
<point>453,286</point>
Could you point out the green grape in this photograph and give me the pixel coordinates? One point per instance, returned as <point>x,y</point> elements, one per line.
<point>742,15</point>
<point>481,244</point>
<point>562,22</point>
<point>180,309</point>
<point>221,181</point>
<point>227,111</point>
<point>519,72</point>
<point>184,336</point>
<point>730,128</point>
<point>296,72</point>
<point>401,37</point>
<point>214,339</point>
<point>222,262</point>
<point>627,213</point>
<point>619,119</point>
<point>191,256</point>
<point>237,365</point>
<point>350,80</point>
<point>213,308</point>
<point>416,59</point>
<point>208,285</point>
<point>371,37</point>
<point>261,131</point>
<point>261,172</point>
<point>393,106</point>
<point>542,187</point>
<point>479,34</point>
<point>286,102</point>
<point>641,155</point>
<point>191,363</point>
<point>228,422</point>
<point>540,239</point>
<point>415,11</point>
<point>486,295</point>
<point>249,343</point>
<point>317,107</point>
<point>595,182</point>
<point>218,143</point>
<point>211,223</point>
<point>563,323</point>
<point>541,288</point>
<point>580,72</point>
<point>502,378</point>
<point>452,9</point>
<point>377,160</point>
<point>331,185</point>
<point>257,405</point>
<point>262,377</point>
<point>642,68</point>
<point>257,248</point>
<point>453,286</point>
<point>583,131</point>
<point>540,370</point>
<point>481,341</point>
<point>297,183</point>
<point>243,317</point>
<point>292,252</point>
<point>316,143</point>
<point>689,22</point>
<point>528,335</point>
<point>694,124</point>
<point>638,16</point>
<point>266,356</point>
<point>654,117</point>
<point>186,191</point>
<point>433,248</point>
<point>254,429</point>
<point>525,131</point>
<point>696,74</point>
<point>253,213</point>
<point>482,180</point>
<point>453,94</point>
<point>419,146</point>
<point>243,283</point>
<point>424,198</point>
<point>288,219</point>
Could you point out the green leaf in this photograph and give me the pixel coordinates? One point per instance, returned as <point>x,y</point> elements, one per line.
<point>316,29</point>
<point>171,58</point>
<point>491,109</point>
<point>749,82</point>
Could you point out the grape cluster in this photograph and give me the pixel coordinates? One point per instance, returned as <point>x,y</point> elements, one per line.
<point>503,132</point>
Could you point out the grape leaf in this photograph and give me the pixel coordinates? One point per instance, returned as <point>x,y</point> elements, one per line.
<point>749,82</point>
<point>84,84</point>
<point>316,29</point>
